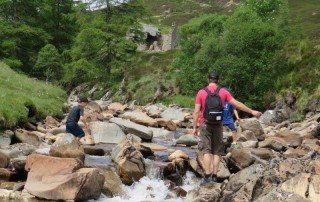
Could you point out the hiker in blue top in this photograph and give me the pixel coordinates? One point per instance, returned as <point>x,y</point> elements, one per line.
<point>228,120</point>
<point>74,116</point>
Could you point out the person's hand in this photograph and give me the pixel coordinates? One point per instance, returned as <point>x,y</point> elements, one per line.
<point>256,114</point>
<point>195,132</point>
<point>238,121</point>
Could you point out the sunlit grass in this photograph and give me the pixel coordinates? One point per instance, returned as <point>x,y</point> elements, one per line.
<point>21,95</point>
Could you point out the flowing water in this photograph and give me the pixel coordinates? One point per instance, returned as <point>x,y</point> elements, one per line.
<point>152,188</point>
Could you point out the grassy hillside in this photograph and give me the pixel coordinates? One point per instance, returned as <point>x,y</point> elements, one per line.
<point>150,72</point>
<point>22,96</point>
<point>151,68</point>
<point>307,14</point>
<point>166,12</point>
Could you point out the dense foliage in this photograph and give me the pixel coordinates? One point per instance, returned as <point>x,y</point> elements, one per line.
<point>252,44</point>
<point>62,39</point>
<point>28,26</point>
<point>243,47</point>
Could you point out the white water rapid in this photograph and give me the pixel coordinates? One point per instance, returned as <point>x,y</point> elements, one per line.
<point>152,188</point>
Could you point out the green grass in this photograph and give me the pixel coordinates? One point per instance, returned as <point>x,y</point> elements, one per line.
<point>181,11</point>
<point>307,14</point>
<point>151,63</point>
<point>149,71</point>
<point>20,94</point>
<point>153,68</point>
<point>183,101</point>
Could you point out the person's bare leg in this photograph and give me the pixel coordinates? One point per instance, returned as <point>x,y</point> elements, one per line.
<point>216,161</point>
<point>234,136</point>
<point>207,163</point>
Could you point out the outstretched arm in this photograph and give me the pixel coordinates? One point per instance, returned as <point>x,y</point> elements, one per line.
<point>243,107</point>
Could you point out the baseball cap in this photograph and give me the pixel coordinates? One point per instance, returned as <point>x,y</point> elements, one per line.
<point>83,99</point>
<point>214,75</point>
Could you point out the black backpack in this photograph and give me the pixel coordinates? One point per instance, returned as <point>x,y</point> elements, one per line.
<point>213,111</point>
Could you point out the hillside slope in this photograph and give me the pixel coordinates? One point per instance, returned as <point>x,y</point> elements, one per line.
<point>302,79</point>
<point>22,97</point>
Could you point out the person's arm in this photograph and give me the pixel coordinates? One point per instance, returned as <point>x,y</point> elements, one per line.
<point>196,114</point>
<point>83,120</point>
<point>243,107</point>
<point>237,115</point>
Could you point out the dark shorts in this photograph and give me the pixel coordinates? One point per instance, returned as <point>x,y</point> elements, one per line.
<point>211,139</point>
<point>231,126</point>
<point>74,129</point>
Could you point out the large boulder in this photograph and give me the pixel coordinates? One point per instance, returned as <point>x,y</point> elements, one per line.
<point>278,195</point>
<point>178,154</point>
<point>208,193</point>
<point>5,174</point>
<point>4,159</point>
<point>6,137</point>
<point>275,143</point>
<point>314,188</point>
<point>244,176</point>
<point>25,136</point>
<point>244,193</point>
<point>19,149</point>
<point>162,133</point>
<point>153,111</point>
<point>247,136</point>
<point>93,106</point>
<point>130,162</point>
<point>240,159</point>
<point>298,184</point>
<point>140,118</point>
<point>112,185</point>
<point>104,132</point>
<point>18,163</point>
<point>131,170</point>
<point>290,167</point>
<point>295,153</point>
<point>253,125</point>
<point>51,122</point>
<point>271,117</point>
<point>223,171</point>
<point>263,153</point>
<point>174,114</point>
<point>117,107</point>
<point>188,140</point>
<point>129,127</point>
<point>314,167</point>
<point>291,138</point>
<point>67,147</point>
<point>167,123</point>
<point>62,179</point>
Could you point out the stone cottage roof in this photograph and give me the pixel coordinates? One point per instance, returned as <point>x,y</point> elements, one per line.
<point>153,31</point>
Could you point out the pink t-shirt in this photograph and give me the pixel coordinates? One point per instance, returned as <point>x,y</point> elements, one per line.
<point>202,95</point>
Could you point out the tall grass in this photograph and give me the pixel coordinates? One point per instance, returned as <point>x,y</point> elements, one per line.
<point>22,97</point>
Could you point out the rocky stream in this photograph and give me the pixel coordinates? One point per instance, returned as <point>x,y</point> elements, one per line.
<point>147,153</point>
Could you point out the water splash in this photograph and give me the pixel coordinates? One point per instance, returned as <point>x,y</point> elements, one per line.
<point>152,189</point>
<point>145,189</point>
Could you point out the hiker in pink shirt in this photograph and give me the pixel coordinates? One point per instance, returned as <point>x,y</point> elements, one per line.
<point>211,132</point>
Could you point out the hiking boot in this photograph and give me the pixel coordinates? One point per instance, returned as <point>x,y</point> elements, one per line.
<point>206,180</point>
<point>235,146</point>
<point>214,179</point>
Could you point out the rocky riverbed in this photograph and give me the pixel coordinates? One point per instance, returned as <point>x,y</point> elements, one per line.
<point>277,161</point>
